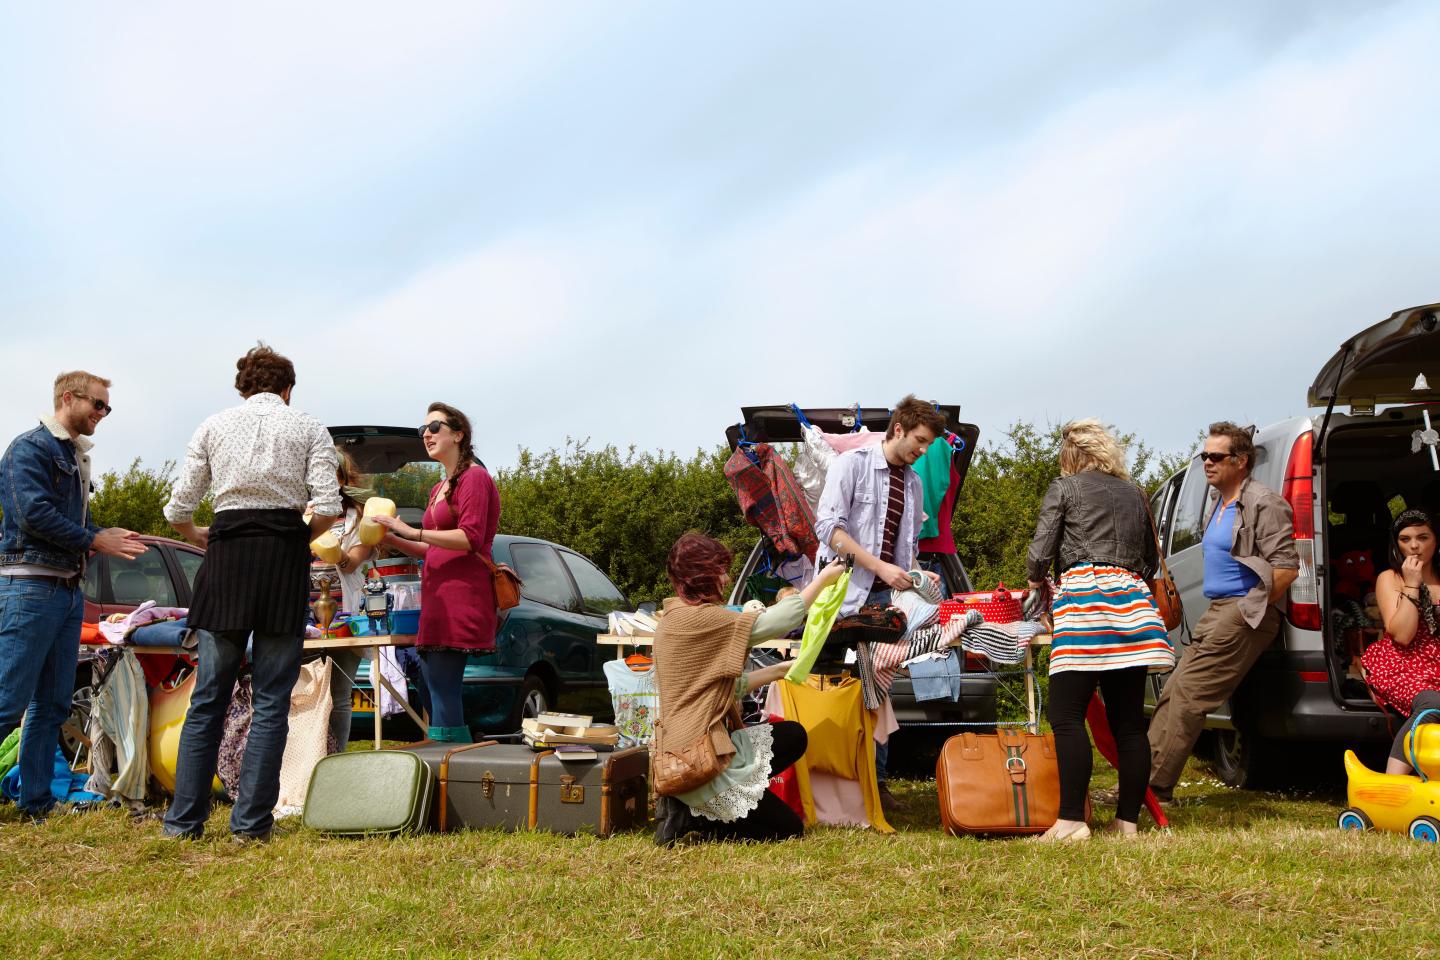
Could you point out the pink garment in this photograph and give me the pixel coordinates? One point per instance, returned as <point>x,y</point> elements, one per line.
<point>838,802</point>
<point>842,442</point>
<point>457,596</point>
<point>944,541</point>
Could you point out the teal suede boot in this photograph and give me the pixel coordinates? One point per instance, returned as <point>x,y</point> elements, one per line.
<point>460,734</point>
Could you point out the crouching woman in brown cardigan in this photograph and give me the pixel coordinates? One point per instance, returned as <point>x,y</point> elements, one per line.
<point>701,649</point>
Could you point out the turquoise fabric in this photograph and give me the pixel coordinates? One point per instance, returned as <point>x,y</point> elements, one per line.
<point>818,622</point>
<point>934,469</point>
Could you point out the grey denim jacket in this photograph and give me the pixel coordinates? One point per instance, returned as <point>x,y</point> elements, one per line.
<point>1093,517</point>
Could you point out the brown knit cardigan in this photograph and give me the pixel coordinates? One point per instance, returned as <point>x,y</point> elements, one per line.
<point>700,651</point>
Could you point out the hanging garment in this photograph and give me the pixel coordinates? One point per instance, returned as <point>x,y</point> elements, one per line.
<point>936,677</point>
<point>842,740</point>
<point>236,734</point>
<point>119,729</point>
<point>812,462</point>
<point>944,540</point>
<point>636,700</point>
<point>309,739</point>
<point>772,500</point>
<point>818,621</point>
<point>934,467</point>
<point>390,669</point>
<point>842,442</point>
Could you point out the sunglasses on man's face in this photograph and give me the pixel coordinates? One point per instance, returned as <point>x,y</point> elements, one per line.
<point>99,404</point>
<point>432,427</point>
<point>1216,457</point>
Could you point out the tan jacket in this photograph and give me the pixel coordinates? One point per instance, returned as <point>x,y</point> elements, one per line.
<point>700,651</point>
<point>1264,541</point>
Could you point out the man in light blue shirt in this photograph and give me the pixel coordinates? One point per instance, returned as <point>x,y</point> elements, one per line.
<point>871,509</point>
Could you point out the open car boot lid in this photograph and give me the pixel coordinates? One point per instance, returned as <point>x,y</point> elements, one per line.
<point>777,423</point>
<point>1381,364</point>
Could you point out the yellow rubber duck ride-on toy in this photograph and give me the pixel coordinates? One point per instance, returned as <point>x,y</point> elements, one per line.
<point>1400,804</point>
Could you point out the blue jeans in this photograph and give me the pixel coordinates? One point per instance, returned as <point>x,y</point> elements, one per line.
<point>39,645</point>
<point>274,668</point>
<point>881,594</point>
<point>444,673</point>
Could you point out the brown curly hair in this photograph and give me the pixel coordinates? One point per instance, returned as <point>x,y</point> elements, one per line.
<point>1242,440</point>
<point>911,413</point>
<point>262,370</point>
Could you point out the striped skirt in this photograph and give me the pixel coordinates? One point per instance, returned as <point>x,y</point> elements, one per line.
<point>1106,619</point>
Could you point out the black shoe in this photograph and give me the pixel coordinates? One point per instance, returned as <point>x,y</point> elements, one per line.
<point>246,839</point>
<point>674,823</point>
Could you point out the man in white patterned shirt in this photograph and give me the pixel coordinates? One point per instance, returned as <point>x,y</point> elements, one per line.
<point>262,462</point>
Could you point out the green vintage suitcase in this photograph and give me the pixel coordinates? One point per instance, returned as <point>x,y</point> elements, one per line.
<point>369,793</point>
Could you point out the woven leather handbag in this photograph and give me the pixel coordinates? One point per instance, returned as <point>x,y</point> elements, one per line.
<point>1001,783</point>
<point>692,766</point>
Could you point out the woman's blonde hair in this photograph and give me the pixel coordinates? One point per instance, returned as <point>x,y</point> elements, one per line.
<point>1087,445</point>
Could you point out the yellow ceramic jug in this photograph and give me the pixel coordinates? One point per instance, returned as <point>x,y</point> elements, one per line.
<point>371,532</point>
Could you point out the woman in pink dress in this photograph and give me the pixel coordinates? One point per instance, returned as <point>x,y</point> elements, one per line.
<point>457,596</point>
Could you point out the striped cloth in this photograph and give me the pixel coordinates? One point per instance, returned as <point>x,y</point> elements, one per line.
<point>1105,619</point>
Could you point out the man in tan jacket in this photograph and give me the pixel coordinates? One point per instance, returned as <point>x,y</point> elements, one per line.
<point>1250,562</point>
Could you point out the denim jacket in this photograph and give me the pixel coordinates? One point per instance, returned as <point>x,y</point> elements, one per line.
<point>43,494</point>
<point>1093,516</point>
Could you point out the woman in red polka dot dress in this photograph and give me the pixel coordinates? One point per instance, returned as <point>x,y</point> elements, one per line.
<point>1403,667</point>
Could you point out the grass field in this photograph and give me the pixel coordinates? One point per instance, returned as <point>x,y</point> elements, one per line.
<point>1241,875</point>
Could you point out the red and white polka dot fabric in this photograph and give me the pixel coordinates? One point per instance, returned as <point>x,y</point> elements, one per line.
<point>1397,673</point>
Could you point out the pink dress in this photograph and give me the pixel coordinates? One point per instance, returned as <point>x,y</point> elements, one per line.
<point>457,596</point>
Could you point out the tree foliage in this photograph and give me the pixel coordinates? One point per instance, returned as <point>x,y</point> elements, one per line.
<point>997,508</point>
<point>623,510</point>
<point>136,499</point>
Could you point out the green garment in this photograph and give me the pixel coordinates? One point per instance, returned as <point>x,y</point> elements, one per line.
<point>817,627</point>
<point>10,752</point>
<point>934,469</point>
<point>460,734</point>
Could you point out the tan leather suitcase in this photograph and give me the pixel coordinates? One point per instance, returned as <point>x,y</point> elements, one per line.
<point>1002,783</point>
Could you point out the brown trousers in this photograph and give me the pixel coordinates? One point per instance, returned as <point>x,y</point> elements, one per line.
<point>1222,651</point>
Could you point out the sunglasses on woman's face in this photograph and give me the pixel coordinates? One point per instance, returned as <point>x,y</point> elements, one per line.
<point>1216,457</point>
<point>432,427</point>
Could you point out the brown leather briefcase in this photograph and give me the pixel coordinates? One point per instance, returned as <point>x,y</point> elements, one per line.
<point>1001,783</point>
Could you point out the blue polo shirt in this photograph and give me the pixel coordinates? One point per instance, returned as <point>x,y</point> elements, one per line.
<point>1224,575</point>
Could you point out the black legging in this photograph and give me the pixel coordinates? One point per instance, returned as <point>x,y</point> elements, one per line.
<point>1424,700</point>
<point>772,819</point>
<point>1124,695</point>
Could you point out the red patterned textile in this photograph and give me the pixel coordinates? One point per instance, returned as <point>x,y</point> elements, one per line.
<point>772,500</point>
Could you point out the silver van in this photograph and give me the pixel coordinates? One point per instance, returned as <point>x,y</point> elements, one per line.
<point>1362,457</point>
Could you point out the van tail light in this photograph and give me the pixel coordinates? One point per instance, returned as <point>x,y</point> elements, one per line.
<point>1299,492</point>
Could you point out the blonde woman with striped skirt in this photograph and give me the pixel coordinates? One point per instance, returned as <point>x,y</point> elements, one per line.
<point>1108,632</point>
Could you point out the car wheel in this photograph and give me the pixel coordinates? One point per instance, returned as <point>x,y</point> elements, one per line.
<point>533,700</point>
<point>1425,828</point>
<point>76,723</point>
<point>1353,820</point>
<point>1239,759</point>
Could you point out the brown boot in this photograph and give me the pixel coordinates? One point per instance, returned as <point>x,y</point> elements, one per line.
<point>889,803</point>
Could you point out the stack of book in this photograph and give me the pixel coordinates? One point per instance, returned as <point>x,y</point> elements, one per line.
<point>572,736</point>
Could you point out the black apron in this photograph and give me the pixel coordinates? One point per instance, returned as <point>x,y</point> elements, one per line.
<point>255,575</point>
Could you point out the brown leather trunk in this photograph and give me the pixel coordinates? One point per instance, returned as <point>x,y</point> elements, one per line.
<point>1003,783</point>
<point>512,787</point>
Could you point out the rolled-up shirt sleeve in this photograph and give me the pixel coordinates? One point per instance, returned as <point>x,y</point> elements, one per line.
<point>833,513</point>
<point>321,474</point>
<point>194,480</point>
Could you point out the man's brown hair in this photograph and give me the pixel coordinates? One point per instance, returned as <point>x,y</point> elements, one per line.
<point>262,370</point>
<point>1242,440</point>
<point>76,381</point>
<point>911,413</point>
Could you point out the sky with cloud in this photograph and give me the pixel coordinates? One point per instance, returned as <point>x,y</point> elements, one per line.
<point>623,221</point>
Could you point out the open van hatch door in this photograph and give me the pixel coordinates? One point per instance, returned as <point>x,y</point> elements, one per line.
<point>1380,364</point>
